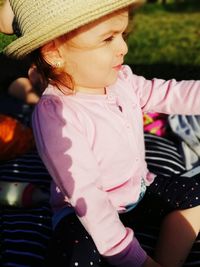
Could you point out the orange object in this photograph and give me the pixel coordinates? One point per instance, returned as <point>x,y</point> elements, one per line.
<point>15,138</point>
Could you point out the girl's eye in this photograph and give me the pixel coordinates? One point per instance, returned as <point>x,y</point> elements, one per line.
<point>109,39</point>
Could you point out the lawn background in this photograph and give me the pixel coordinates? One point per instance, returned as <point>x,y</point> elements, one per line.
<point>166,40</point>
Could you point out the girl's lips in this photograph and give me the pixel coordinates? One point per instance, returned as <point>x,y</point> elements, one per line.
<point>117,67</point>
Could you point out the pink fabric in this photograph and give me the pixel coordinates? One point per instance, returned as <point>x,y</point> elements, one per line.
<point>95,153</point>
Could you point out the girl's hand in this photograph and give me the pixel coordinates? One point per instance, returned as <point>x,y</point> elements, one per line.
<point>6,18</point>
<point>151,263</point>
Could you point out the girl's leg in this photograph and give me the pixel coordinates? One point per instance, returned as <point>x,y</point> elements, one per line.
<point>178,233</point>
<point>180,227</point>
<point>72,246</point>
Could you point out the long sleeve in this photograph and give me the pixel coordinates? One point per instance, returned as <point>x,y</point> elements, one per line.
<point>64,148</point>
<point>170,97</point>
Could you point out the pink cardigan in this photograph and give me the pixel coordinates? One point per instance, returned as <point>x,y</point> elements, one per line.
<point>95,153</point>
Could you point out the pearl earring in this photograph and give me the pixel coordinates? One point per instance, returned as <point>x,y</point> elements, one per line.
<point>57,64</point>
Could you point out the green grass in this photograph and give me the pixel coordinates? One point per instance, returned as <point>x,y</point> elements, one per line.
<point>165,35</point>
<point>5,40</point>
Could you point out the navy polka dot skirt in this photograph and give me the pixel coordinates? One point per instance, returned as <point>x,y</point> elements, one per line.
<point>177,192</point>
<point>71,245</point>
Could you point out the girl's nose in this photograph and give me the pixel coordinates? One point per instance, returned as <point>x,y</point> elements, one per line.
<point>122,49</point>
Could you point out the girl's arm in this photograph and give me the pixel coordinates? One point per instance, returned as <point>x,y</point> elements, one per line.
<point>64,148</point>
<point>164,96</point>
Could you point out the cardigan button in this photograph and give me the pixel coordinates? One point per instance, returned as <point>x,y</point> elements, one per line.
<point>111,98</point>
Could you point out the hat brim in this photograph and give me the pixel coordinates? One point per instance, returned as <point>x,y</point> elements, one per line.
<point>36,38</point>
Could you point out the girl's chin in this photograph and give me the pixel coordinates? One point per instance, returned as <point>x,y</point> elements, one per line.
<point>114,78</point>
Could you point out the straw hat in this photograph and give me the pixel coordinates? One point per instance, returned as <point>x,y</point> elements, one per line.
<point>43,20</point>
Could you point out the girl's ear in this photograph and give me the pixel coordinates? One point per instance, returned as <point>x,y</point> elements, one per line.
<point>51,53</point>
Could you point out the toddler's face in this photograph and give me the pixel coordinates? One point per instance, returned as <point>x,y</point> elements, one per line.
<point>94,53</point>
